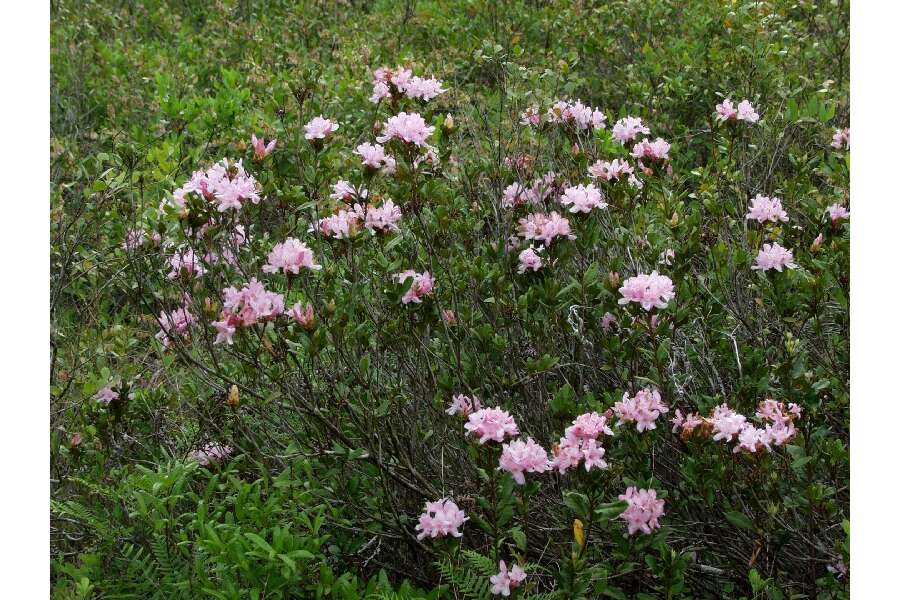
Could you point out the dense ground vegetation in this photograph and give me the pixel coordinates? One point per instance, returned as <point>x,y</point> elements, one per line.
<point>551,288</point>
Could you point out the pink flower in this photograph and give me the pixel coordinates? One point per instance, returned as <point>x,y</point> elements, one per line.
<point>211,453</point>
<point>505,580</point>
<point>341,225</point>
<point>345,192</point>
<point>304,316</point>
<point>380,91</point>
<point>763,208</point>
<point>644,510</point>
<point>838,213</point>
<point>440,519</point>
<point>174,324</point>
<point>642,409</point>
<point>320,128</point>
<point>592,453</point>
<point>531,116</point>
<point>422,285</point>
<point>383,218</point>
<point>106,395</point>
<point>491,424</point>
<point>607,322</point>
<point>408,128</point>
<point>544,228</point>
<point>588,426</point>
<point>773,256</point>
<point>751,439</point>
<point>566,454</point>
<point>251,305</point>
<point>513,195</point>
<point>225,182</point>
<point>185,263</point>
<point>521,457</point>
<point>583,117</point>
<point>685,423</point>
<point>529,260</point>
<point>627,129</point>
<point>613,170</point>
<point>448,316</point>
<point>841,138</point>
<point>134,239</point>
<point>726,111</point>
<point>746,112</point>
<point>583,198</point>
<point>657,150</point>
<point>289,257</point>
<point>464,405</point>
<point>374,157</point>
<point>260,148</point>
<point>726,423</point>
<point>426,89</point>
<point>650,291</point>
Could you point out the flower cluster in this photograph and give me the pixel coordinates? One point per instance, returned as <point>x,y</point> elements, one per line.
<point>464,405</point>
<point>245,307</point>
<point>260,148</point>
<point>644,510</point>
<point>841,138</point>
<point>583,198</point>
<point>763,208</point>
<point>374,157</point>
<point>491,424</point>
<point>185,263</point>
<point>838,213</point>
<point>545,228</point>
<point>389,83</point>
<point>642,409</point>
<point>345,191</point>
<point>106,395</point>
<point>225,182</point>
<point>577,113</point>
<point>440,519</point>
<point>627,129</point>
<point>174,324</point>
<point>211,453</point>
<point>773,256</point>
<point>541,188</point>
<point>744,111</point>
<point>289,257</point>
<point>650,291</point>
<point>506,580</point>
<point>725,424</point>
<point>407,128</point>
<point>422,285</point>
<point>520,457</point>
<point>582,442</point>
<point>341,225</point>
<point>320,128</point>
<point>529,260</point>
<point>384,218</point>
<point>657,150</point>
<point>303,316</point>
<point>614,170</point>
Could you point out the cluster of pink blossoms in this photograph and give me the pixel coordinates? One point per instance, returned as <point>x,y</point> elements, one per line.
<point>644,510</point>
<point>174,323</point>
<point>289,257</point>
<point>517,195</point>
<point>407,128</point>
<point>529,260</point>
<point>225,182</point>
<point>346,192</point>
<point>135,238</point>
<point>744,111</point>
<point>657,150</point>
<point>374,157</point>
<point>341,225</point>
<point>841,138</point>
<point>642,409</point>
<point>440,519</point>
<point>245,307</point>
<point>615,170</point>
<point>260,148</point>
<point>106,395</point>
<point>464,405</point>
<point>838,213</point>
<point>185,263</point>
<point>581,441</point>
<point>506,579</point>
<point>650,291</point>
<point>545,228</point>
<point>627,129</point>
<point>521,457</point>
<point>726,425</point>
<point>211,453</point>
<point>491,424</point>
<point>390,82</point>
<point>773,256</point>
<point>320,128</point>
<point>577,113</point>
<point>763,208</point>
<point>303,315</point>
<point>583,198</point>
<point>422,285</point>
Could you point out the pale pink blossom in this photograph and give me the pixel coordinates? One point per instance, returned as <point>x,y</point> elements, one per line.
<point>726,423</point>
<point>841,138</point>
<point>440,519</point>
<point>642,409</point>
<point>506,580</point>
<point>341,225</point>
<point>245,307</point>
<point>726,111</point>
<point>592,453</point>
<point>763,208</point>
<point>520,457</point>
<point>685,423</point>
<point>567,454</point>
<point>106,395</point>
<point>185,263</point>
<point>174,324</point>
<point>374,157</point>
<point>529,260</point>
<point>531,116</point>
<point>577,113</point>
<point>614,170</point>
<point>607,322</point>
<point>628,128</point>
<point>408,128</point>
<point>289,257</point>
<point>320,128</point>
<point>225,182</point>
<point>448,316</point>
<point>650,291</point>
<point>211,453</point>
<point>260,148</point>
<point>346,192</point>
<point>464,405</point>
<point>423,88</point>
<point>380,91</point>
<point>303,316</point>
<point>838,213</point>
<point>746,112</point>
<point>588,426</point>
<point>134,239</point>
<point>545,228</point>
<point>491,424</point>
<point>644,510</point>
<point>751,439</point>
<point>513,195</point>
<point>583,198</point>
<point>657,150</point>
<point>422,285</point>
<point>384,218</point>
<point>773,256</point>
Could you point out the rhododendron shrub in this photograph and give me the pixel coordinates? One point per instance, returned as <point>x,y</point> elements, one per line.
<point>511,328</point>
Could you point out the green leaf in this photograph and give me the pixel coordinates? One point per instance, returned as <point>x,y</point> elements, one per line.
<point>739,519</point>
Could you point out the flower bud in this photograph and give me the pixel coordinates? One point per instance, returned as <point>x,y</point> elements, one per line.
<point>448,122</point>
<point>614,278</point>
<point>234,398</point>
<point>674,220</point>
<point>816,246</point>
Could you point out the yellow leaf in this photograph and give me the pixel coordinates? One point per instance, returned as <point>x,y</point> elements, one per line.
<point>578,530</point>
